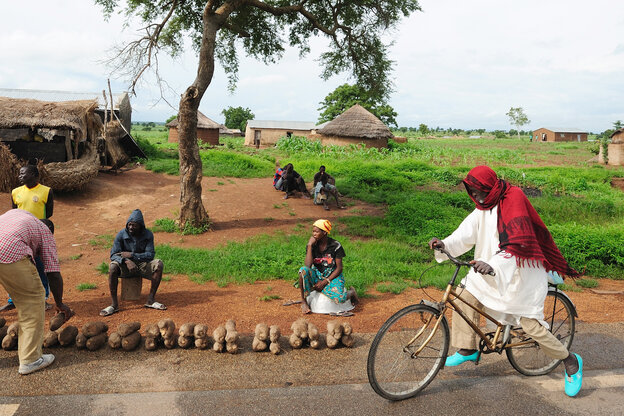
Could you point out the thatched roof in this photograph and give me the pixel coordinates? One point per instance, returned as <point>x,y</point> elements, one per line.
<point>203,122</point>
<point>22,113</point>
<point>357,122</point>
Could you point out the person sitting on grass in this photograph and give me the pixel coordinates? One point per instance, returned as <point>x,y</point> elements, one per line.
<point>322,274</point>
<point>132,255</point>
<point>323,187</point>
<point>292,182</point>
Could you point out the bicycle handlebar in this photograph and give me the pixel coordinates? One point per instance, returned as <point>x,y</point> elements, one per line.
<point>456,261</point>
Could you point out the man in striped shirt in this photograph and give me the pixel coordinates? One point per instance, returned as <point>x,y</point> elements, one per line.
<point>23,237</point>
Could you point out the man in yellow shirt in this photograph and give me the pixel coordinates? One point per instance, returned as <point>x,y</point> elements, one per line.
<point>37,199</point>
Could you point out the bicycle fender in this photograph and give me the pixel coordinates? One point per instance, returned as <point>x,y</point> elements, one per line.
<point>554,290</point>
<point>436,306</point>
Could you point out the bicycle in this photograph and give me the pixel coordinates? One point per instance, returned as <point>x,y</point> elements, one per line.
<point>412,345</point>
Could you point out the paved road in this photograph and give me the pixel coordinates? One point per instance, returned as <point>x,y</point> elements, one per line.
<point>306,381</point>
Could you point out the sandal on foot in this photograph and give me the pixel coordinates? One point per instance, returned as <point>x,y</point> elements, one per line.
<point>156,305</point>
<point>345,313</point>
<point>108,311</point>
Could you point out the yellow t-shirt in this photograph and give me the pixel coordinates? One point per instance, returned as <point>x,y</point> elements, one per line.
<point>32,200</point>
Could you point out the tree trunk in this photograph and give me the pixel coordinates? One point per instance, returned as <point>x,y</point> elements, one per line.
<point>192,209</point>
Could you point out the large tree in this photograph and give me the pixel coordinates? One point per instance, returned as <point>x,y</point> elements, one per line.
<point>346,96</point>
<point>236,117</point>
<point>218,28</point>
<point>517,117</point>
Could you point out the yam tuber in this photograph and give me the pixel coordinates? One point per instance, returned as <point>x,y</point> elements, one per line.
<point>91,329</point>
<point>50,339</point>
<point>347,340</point>
<point>334,329</point>
<point>151,343</point>
<point>169,343</point>
<point>167,328</point>
<point>81,341</point>
<point>67,336</point>
<point>13,329</point>
<point>57,321</point>
<point>262,332</point>
<point>313,335</point>
<point>219,334</point>
<point>152,331</point>
<point>186,330</point>
<point>126,329</point>
<point>130,342</point>
<point>231,335</point>
<point>231,347</point>
<point>218,346</point>
<point>9,342</point>
<point>258,345</point>
<point>331,341</point>
<point>275,348</point>
<point>274,336</point>
<point>200,331</point>
<point>114,340</point>
<point>201,343</point>
<point>295,341</point>
<point>185,342</point>
<point>95,342</point>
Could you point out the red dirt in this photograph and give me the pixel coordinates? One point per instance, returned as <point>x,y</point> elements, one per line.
<point>239,209</point>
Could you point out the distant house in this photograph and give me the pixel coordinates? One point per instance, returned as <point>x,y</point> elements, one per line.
<point>207,130</point>
<point>615,149</point>
<point>262,133</point>
<point>617,136</point>
<point>121,101</point>
<point>354,126</point>
<point>559,134</point>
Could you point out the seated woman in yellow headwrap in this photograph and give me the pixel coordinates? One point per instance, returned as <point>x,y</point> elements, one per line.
<point>322,273</point>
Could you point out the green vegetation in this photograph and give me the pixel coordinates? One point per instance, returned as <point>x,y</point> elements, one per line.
<point>86,286</point>
<point>75,256</point>
<point>267,298</point>
<point>418,184</point>
<point>166,225</point>
<point>102,241</point>
<point>587,283</point>
<point>102,268</point>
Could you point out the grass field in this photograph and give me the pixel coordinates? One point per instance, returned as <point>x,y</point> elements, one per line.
<point>418,184</point>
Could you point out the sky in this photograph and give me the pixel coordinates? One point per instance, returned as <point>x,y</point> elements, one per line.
<point>460,64</point>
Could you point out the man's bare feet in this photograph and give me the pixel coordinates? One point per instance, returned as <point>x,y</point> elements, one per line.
<point>305,309</point>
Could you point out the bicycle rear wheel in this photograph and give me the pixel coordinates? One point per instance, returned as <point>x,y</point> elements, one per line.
<point>529,359</point>
<point>396,369</point>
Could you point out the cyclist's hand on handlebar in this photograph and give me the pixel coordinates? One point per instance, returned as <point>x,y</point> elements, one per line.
<point>435,242</point>
<point>482,267</point>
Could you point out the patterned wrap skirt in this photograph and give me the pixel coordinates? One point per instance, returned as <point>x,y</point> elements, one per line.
<point>335,290</point>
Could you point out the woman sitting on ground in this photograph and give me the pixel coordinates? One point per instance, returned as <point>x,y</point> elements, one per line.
<point>321,281</point>
<point>292,181</point>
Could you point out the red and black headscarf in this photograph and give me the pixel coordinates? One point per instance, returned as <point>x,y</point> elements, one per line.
<point>521,231</point>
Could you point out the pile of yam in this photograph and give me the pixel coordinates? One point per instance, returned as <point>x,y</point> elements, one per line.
<point>304,333</point>
<point>226,338</point>
<point>266,337</point>
<point>167,333</point>
<point>127,336</point>
<point>339,333</point>
<point>9,335</point>
<point>92,336</point>
<point>152,337</point>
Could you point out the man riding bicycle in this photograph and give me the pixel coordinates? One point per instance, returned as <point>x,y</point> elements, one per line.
<point>511,241</point>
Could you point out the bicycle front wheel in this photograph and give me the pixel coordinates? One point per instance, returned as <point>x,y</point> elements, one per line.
<point>407,352</point>
<point>529,359</point>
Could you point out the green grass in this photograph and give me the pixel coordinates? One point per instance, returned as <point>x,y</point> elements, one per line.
<point>166,225</point>
<point>75,256</point>
<point>102,241</point>
<point>102,268</point>
<point>267,298</point>
<point>587,283</point>
<point>418,185</point>
<point>86,286</point>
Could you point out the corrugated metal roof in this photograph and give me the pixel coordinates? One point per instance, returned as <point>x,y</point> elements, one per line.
<point>564,129</point>
<point>286,125</point>
<point>56,96</point>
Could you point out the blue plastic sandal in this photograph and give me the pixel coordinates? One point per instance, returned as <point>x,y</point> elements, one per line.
<point>574,382</point>
<point>457,359</point>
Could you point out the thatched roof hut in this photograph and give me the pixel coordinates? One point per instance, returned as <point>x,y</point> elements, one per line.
<point>356,125</point>
<point>61,136</point>
<point>207,130</point>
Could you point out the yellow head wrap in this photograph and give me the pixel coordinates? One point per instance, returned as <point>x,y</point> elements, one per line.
<point>324,225</point>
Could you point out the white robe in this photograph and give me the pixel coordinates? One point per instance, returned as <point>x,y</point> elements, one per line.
<point>514,292</point>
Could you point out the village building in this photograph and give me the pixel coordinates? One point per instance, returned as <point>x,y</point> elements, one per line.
<point>263,133</point>
<point>615,149</point>
<point>559,134</point>
<point>207,130</point>
<point>357,125</point>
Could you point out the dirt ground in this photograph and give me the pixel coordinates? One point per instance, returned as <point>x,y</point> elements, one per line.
<point>239,208</point>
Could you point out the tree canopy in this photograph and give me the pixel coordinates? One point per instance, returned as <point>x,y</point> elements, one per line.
<point>346,96</point>
<point>220,29</point>
<point>236,117</point>
<point>517,117</point>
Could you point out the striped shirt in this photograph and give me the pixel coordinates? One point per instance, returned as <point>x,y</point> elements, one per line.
<point>22,235</point>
